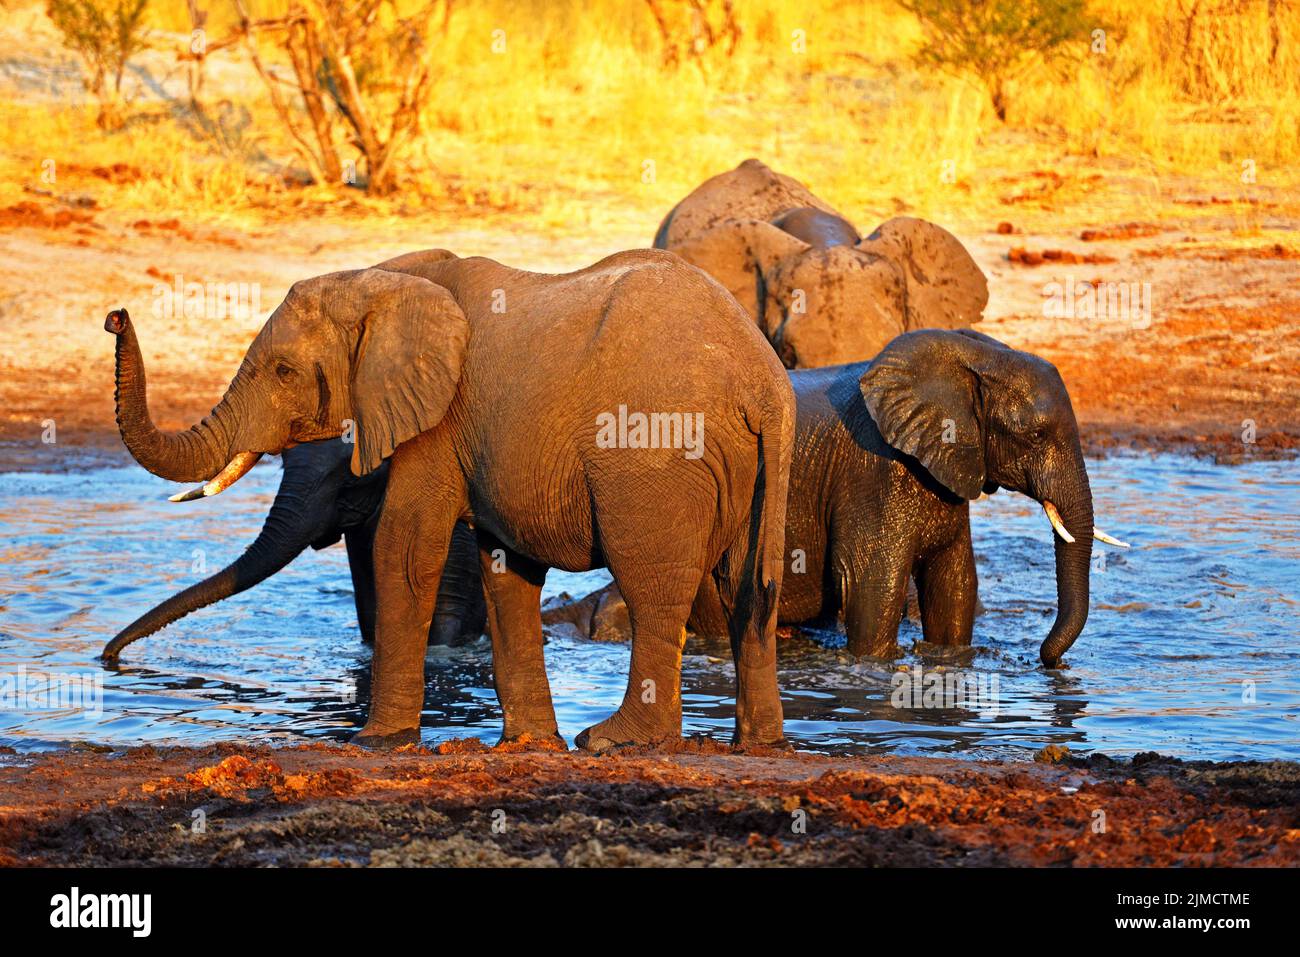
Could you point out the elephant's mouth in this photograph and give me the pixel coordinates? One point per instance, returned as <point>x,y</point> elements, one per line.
<point>1058,525</point>
<point>235,469</point>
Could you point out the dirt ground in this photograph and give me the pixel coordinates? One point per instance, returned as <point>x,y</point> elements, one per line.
<point>1220,350</point>
<point>463,805</point>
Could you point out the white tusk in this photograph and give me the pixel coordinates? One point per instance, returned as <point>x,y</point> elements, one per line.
<point>1101,536</point>
<point>1054,517</point>
<point>235,469</point>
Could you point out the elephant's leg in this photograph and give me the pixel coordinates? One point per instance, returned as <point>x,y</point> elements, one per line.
<point>707,615</point>
<point>946,588</point>
<point>360,543</point>
<point>876,596</point>
<point>410,552</point>
<point>759,716</point>
<point>458,615</point>
<point>658,569</point>
<point>651,712</point>
<point>512,585</point>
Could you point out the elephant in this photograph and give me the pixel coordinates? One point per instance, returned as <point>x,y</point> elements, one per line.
<point>822,294</point>
<point>563,417</point>
<point>318,502</point>
<point>888,455</point>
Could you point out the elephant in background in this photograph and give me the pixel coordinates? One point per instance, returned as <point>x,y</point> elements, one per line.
<point>505,398</point>
<point>820,292</point>
<point>888,455</point>
<point>318,502</point>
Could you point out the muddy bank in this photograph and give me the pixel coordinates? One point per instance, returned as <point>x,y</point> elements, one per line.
<point>464,805</point>
<point>1219,349</point>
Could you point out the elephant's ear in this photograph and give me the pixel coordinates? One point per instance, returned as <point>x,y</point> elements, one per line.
<point>407,362</point>
<point>924,399</point>
<point>945,288</point>
<point>737,253</point>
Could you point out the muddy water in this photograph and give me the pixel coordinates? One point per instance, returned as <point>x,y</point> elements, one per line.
<point>1193,646</point>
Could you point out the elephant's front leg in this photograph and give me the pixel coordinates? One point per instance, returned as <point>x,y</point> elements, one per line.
<point>876,595</point>
<point>512,585</point>
<point>410,552</point>
<point>361,561</point>
<point>946,588</point>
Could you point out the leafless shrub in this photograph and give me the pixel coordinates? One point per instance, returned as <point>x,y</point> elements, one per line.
<point>360,68</point>
<point>691,29</point>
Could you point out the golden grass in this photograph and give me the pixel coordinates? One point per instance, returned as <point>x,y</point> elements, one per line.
<point>565,124</point>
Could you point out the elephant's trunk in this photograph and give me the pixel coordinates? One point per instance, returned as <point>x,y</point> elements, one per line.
<point>292,525</point>
<point>194,455</point>
<point>1073,502</point>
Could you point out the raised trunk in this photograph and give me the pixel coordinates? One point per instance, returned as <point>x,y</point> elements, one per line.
<point>1073,559</point>
<point>289,529</point>
<point>194,455</point>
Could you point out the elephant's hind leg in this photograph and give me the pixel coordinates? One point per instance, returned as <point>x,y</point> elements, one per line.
<point>750,622</point>
<point>658,563</point>
<point>512,585</point>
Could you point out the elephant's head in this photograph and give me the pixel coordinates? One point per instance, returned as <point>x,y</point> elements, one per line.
<point>318,501</point>
<point>372,351</point>
<point>824,297</point>
<point>979,415</point>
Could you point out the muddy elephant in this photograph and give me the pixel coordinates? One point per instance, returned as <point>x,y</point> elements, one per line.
<point>564,417</point>
<point>821,293</point>
<point>320,501</point>
<point>888,455</point>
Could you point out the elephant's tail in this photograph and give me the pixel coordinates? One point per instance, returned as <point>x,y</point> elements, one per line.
<point>776,449</point>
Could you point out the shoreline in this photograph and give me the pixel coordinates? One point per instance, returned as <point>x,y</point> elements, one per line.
<point>463,804</point>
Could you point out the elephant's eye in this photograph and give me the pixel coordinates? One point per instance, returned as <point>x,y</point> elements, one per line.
<point>285,372</point>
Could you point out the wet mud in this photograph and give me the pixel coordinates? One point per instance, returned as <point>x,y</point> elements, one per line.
<point>702,805</point>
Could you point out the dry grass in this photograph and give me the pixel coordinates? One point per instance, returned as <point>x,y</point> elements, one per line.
<point>561,126</point>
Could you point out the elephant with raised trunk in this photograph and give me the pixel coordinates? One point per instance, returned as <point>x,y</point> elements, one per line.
<point>318,502</point>
<point>821,293</point>
<point>490,391</point>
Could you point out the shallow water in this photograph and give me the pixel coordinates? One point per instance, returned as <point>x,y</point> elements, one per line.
<point>1192,648</point>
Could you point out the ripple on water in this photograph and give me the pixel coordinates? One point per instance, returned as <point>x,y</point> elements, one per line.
<point>1191,647</point>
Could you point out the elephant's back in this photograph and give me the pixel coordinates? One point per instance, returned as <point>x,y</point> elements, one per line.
<point>639,370</point>
<point>750,191</point>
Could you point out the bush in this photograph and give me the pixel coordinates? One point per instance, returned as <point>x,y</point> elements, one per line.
<point>105,34</point>
<point>995,40</point>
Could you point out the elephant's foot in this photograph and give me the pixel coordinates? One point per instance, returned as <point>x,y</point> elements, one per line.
<point>618,731</point>
<point>527,741</point>
<point>877,648</point>
<point>759,734</point>
<point>761,742</point>
<point>380,740</point>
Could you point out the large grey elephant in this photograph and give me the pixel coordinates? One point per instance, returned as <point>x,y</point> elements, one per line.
<point>888,455</point>
<point>566,418</point>
<point>319,501</point>
<point>821,293</point>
